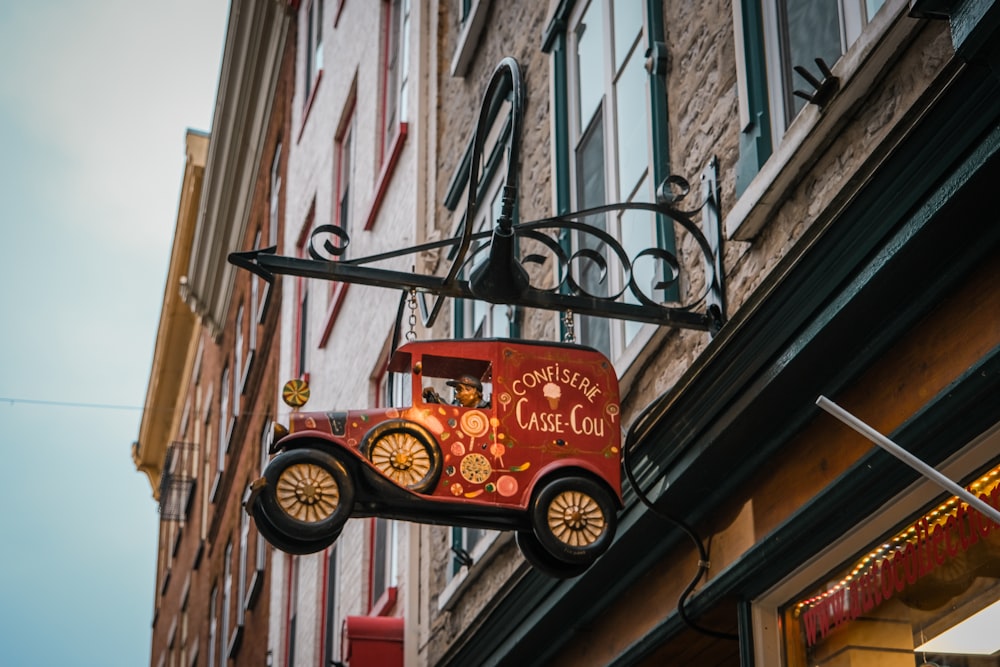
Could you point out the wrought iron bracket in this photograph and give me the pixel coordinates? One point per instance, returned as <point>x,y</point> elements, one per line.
<point>497,265</point>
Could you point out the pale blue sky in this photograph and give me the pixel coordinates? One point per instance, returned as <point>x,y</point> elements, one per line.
<point>95,99</point>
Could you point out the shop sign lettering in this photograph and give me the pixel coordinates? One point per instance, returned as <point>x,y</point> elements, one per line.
<point>934,545</point>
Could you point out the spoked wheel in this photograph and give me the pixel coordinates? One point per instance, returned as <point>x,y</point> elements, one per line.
<point>285,543</point>
<point>575,519</point>
<point>308,496</point>
<point>543,561</point>
<point>405,453</point>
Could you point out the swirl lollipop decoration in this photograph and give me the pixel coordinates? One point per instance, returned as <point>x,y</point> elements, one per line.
<point>295,393</point>
<point>475,423</point>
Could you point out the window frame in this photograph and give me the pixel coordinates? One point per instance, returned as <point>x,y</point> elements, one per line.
<point>624,340</point>
<point>768,166</point>
<point>384,602</point>
<point>312,48</point>
<point>345,187</point>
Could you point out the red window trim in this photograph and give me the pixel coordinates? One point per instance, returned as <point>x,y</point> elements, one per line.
<point>309,104</point>
<point>323,604</point>
<point>340,9</point>
<point>300,288</point>
<point>385,604</point>
<point>385,175</point>
<point>387,601</point>
<point>338,291</point>
<point>336,302</point>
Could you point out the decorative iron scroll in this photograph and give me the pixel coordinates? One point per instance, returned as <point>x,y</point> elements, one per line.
<point>496,265</point>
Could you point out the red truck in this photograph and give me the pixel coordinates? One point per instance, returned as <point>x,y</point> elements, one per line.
<point>536,450</point>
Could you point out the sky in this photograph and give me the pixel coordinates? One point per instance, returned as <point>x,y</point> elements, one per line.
<point>95,99</point>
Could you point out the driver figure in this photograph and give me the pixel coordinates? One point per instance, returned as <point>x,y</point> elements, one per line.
<point>468,392</point>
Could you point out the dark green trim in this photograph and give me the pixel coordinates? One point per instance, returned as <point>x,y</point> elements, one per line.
<point>556,29</point>
<point>660,132</point>
<point>756,144</point>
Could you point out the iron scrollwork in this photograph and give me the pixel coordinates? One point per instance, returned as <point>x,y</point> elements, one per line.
<point>496,265</point>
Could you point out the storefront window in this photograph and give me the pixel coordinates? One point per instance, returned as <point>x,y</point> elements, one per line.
<point>928,595</point>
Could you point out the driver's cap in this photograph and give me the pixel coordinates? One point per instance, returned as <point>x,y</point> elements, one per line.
<point>467,380</point>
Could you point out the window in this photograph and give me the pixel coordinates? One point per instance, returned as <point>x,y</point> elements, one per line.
<point>481,319</point>
<point>313,35</point>
<point>393,99</point>
<point>223,419</point>
<point>227,597</point>
<point>345,191</point>
<point>275,197</point>
<point>331,627</point>
<point>344,151</point>
<point>390,389</point>
<point>239,372</point>
<point>383,566</point>
<point>213,627</point>
<point>302,301</point>
<point>468,546</point>
<point>776,36</point>
<point>396,36</point>
<point>242,584</point>
<point>608,111</point>
<point>292,610</point>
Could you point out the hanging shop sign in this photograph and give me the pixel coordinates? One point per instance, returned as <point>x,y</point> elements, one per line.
<point>530,442</point>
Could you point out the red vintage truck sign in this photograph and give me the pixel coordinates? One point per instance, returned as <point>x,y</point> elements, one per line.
<point>530,441</point>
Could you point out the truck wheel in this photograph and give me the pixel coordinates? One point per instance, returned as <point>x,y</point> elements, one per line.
<point>404,452</point>
<point>309,495</point>
<point>286,543</point>
<point>542,560</point>
<point>575,519</point>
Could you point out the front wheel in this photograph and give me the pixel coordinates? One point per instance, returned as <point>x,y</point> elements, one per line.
<point>308,495</point>
<point>543,561</point>
<point>575,519</point>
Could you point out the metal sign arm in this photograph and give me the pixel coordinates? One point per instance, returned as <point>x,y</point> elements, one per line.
<point>909,459</point>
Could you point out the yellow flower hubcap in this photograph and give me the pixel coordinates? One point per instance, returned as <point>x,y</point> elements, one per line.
<point>307,492</point>
<point>402,458</point>
<point>576,518</point>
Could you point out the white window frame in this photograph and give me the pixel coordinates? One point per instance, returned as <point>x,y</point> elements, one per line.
<point>624,338</point>
<point>853,18</point>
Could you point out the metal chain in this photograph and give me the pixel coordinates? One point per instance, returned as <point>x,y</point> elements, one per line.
<point>570,332</point>
<point>411,335</point>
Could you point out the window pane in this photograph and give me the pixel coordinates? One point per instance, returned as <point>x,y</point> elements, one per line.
<point>638,232</point>
<point>633,143</point>
<point>872,6</point>
<point>591,192</point>
<point>628,24</point>
<point>812,31</point>
<point>589,63</point>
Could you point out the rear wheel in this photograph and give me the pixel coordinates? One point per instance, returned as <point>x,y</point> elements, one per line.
<point>308,495</point>
<point>575,519</point>
<point>284,542</point>
<point>405,453</point>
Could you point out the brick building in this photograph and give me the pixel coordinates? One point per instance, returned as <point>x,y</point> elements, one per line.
<point>211,394</point>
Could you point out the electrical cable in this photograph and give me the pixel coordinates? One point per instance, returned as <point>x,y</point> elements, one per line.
<point>703,561</point>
